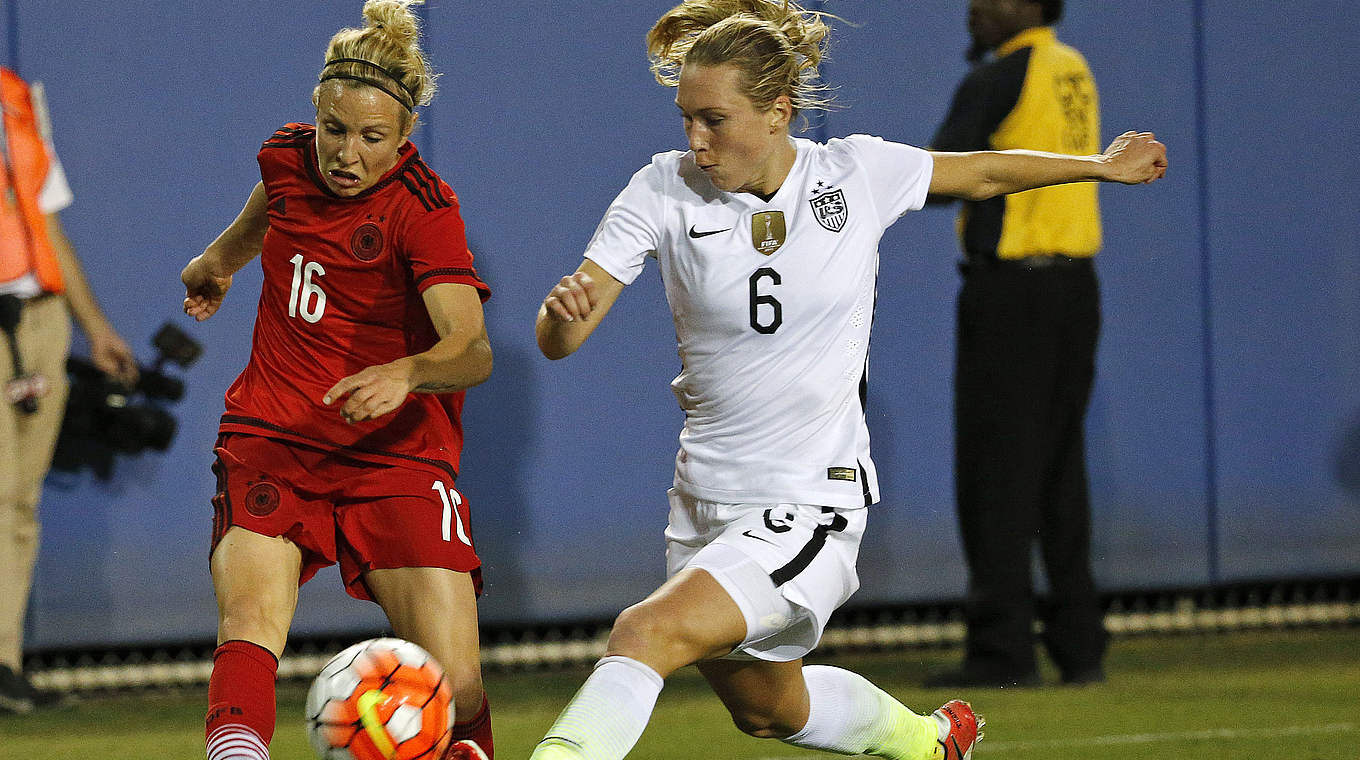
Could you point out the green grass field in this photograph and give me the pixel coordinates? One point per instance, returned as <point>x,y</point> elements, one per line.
<point>1277,694</point>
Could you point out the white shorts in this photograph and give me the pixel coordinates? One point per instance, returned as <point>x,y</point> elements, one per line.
<point>787,566</point>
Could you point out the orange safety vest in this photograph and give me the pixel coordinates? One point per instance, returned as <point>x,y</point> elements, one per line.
<point>24,244</point>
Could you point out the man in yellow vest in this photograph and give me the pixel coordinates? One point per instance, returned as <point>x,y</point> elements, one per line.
<point>1028,321</point>
<point>41,286</point>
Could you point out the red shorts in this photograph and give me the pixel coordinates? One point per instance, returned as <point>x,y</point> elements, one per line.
<point>365,516</point>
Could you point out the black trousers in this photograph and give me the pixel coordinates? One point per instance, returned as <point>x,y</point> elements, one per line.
<point>1024,368</point>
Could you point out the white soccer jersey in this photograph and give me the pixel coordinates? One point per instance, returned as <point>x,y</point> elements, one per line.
<point>772,302</point>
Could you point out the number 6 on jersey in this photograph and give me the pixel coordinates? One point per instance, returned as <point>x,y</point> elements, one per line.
<point>758,299</point>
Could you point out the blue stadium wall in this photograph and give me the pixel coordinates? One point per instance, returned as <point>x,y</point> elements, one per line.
<point>1224,435</point>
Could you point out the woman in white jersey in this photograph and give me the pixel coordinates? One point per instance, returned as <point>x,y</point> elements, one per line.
<point>768,248</point>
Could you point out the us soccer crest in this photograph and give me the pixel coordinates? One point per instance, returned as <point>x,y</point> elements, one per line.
<point>830,210</point>
<point>767,231</point>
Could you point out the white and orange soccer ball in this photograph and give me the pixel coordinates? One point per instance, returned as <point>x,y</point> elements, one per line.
<point>381,699</point>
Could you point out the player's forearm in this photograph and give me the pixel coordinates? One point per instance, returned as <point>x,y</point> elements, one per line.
<point>243,239</point>
<point>1013,171</point>
<point>980,175</point>
<point>558,339</point>
<point>449,366</point>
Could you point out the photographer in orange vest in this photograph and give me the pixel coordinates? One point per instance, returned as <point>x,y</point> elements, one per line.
<point>42,286</point>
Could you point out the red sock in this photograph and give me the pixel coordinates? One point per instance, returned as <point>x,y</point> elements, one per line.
<point>241,707</point>
<point>478,729</point>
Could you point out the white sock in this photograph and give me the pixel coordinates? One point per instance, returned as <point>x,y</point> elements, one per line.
<point>606,717</point>
<point>850,716</point>
<point>236,742</point>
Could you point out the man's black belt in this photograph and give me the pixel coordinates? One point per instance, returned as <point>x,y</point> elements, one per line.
<point>1028,263</point>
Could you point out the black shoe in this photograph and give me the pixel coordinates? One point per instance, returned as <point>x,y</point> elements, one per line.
<point>1084,676</point>
<point>15,693</point>
<point>21,696</point>
<point>966,677</point>
<point>46,698</point>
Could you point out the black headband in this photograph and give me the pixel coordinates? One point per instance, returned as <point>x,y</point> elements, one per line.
<point>371,81</point>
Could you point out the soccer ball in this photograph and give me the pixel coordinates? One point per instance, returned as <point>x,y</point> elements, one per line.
<point>381,699</point>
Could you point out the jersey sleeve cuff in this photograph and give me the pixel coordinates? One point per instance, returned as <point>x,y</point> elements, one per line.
<point>457,276</point>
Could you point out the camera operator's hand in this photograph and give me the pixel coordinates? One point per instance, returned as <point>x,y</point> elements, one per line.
<point>204,287</point>
<point>111,355</point>
<point>372,391</point>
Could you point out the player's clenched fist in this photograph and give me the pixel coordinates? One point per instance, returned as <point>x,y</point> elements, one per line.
<point>573,298</point>
<point>204,288</point>
<point>1136,158</point>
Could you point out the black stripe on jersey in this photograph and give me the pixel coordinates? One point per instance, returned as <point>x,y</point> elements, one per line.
<point>447,272</point>
<point>390,178</point>
<point>435,190</point>
<point>322,445</point>
<point>286,131</point>
<point>413,175</point>
<point>294,136</point>
<point>221,500</point>
<point>426,189</point>
<point>809,551</point>
<point>289,136</point>
<point>286,137</point>
<point>863,407</point>
<point>416,191</point>
<point>864,388</point>
<point>864,393</point>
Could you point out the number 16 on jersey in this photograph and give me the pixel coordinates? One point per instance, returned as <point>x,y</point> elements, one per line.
<point>304,293</point>
<point>452,501</point>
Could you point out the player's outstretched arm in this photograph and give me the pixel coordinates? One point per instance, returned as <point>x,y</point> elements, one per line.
<point>461,358</point>
<point>573,308</point>
<point>1133,158</point>
<point>207,277</point>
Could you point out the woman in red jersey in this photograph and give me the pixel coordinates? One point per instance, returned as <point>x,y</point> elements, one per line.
<point>341,437</point>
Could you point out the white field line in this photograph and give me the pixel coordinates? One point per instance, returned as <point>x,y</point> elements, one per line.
<point>1211,734</point>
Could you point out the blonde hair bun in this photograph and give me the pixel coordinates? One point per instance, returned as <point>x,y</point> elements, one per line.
<point>395,19</point>
<point>390,40</point>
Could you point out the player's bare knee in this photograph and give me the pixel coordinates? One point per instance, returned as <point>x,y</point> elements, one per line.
<point>763,724</point>
<point>641,633</point>
<point>466,684</point>
<point>251,624</point>
<point>253,618</point>
<point>637,627</point>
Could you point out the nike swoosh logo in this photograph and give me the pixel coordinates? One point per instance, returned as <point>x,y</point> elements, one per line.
<point>749,534</point>
<point>697,234</point>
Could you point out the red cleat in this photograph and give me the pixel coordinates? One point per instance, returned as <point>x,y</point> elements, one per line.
<point>960,730</point>
<point>465,749</point>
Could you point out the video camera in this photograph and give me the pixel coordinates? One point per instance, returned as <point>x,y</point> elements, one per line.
<point>104,417</point>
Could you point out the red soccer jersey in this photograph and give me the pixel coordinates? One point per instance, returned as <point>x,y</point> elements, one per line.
<point>342,285</point>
